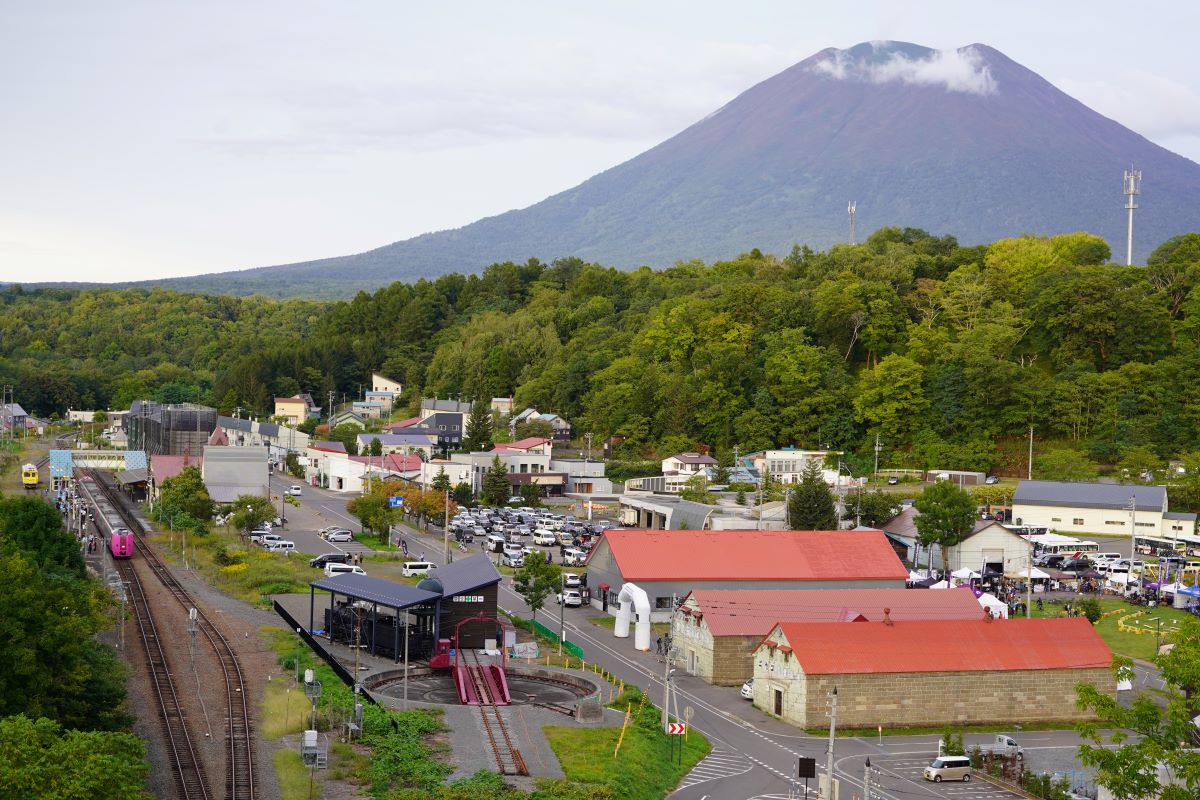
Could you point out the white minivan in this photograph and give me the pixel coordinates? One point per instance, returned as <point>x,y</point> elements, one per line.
<point>343,569</point>
<point>544,537</point>
<point>412,568</point>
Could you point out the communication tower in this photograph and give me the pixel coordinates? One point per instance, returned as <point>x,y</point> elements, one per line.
<point>850,210</point>
<point>1133,187</point>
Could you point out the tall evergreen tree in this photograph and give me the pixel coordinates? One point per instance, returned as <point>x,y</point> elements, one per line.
<point>478,435</point>
<point>495,490</point>
<point>441,481</point>
<point>811,507</point>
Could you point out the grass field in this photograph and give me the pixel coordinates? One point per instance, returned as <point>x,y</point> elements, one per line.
<point>1132,636</point>
<point>644,769</point>
<point>295,780</point>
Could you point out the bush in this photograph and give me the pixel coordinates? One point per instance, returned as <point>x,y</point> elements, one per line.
<point>1091,609</point>
<point>952,743</point>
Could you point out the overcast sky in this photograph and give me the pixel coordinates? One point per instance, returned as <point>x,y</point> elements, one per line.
<point>154,139</point>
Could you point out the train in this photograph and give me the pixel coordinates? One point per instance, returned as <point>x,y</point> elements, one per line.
<point>30,477</point>
<point>120,543</point>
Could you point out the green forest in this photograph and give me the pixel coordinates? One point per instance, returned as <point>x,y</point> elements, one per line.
<point>948,353</point>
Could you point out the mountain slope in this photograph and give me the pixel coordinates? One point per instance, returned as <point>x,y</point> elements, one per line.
<point>964,142</point>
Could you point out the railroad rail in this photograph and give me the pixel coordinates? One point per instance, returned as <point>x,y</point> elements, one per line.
<point>239,774</point>
<point>185,763</point>
<point>508,757</point>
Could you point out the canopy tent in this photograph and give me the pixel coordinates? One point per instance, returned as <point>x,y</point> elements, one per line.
<point>965,574</point>
<point>994,604</point>
<point>1120,578</point>
<point>1190,591</point>
<point>943,585</point>
<point>914,576</point>
<point>1033,573</point>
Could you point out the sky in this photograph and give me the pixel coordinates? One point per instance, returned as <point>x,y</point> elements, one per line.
<point>144,140</point>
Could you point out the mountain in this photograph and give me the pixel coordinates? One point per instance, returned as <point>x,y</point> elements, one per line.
<point>964,142</point>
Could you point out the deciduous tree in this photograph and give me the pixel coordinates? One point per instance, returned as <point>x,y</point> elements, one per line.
<point>536,580</point>
<point>947,516</point>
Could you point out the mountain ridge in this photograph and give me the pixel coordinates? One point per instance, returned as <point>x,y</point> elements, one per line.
<point>965,142</point>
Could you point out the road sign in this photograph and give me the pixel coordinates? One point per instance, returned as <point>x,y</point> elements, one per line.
<point>676,728</point>
<point>395,501</point>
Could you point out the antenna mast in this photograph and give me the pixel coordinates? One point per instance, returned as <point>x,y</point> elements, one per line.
<point>850,210</point>
<point>1133,187</point>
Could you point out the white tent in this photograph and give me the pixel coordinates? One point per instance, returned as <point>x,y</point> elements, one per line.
<point>1033,573</point>
<point>944,585</point>
<point>994,604</point>
<point>1120,578</point>
<point>914,576</point>
<point>965,574</point>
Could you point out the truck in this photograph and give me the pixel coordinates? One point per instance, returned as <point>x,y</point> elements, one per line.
<point>1004,746</point>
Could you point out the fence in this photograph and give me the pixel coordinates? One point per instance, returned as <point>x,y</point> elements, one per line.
<point>320,650</point>
<point>568,646</point>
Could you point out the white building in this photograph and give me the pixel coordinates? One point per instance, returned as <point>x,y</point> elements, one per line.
<point>787,465</point>
<point>382,383</point>
<point>688,464</point>
<point>1107,508</point>
<point>230,472</point>
<point>457,473</point>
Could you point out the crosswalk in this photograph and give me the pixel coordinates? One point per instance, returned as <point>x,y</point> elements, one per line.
<point>719,763</point>
<point>911,769</point>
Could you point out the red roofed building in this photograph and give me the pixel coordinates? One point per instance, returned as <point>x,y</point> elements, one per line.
<point>669,564</point>
<point>717,630</point>
<point>530,444</point>
<point>930,672</point>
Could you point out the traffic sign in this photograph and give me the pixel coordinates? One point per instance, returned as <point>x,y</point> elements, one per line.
<point>395,501</point>
<point>676,728</point>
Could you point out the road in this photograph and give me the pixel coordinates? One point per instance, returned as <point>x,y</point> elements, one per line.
<point>754,755</point>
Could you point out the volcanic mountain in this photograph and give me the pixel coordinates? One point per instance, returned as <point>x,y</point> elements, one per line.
<point>964,142</point>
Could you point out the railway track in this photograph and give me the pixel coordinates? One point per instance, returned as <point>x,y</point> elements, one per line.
<point>185,763</point>
<point>239,774</point>
<point>508,757</point>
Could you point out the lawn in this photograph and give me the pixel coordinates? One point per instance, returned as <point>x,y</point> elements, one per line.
<point>644,769</point>
<point>1129,630</point>
<point>295,780</point>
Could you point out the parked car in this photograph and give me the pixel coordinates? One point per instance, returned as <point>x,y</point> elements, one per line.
<point>748,689</point>
<point>573,557</point>
<point>513,560</point>
<point>412,568</point>
<point>544,537</point>
<point>893,480</point>
<point>571,579</point>
<point>266,539</point>
<point>991,480</point>
<point>296,490</point>
<point>1004,746</point>
<point>343,569</point>
<point>516,498</point>
<point>329,558</point>
<point>1075,565</point>
<point>569,597</point>
<point>342,535</point>
<point>948,768</point>
<point>280,546</point>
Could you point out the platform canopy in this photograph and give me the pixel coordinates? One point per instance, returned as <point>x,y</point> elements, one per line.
<point>376,590</point>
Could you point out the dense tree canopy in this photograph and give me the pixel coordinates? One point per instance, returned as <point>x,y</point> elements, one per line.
<point>946,352</point>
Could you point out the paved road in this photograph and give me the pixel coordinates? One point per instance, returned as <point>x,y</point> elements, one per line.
<point>754,755</point>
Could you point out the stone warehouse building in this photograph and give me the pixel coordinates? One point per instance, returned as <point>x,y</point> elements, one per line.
<point>717,630</point>
<point>930,672</point>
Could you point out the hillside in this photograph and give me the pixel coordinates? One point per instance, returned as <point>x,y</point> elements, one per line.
<point>964,141</point>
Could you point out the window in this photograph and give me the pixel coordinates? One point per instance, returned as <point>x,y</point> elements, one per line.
<point>662,603</point>
<point>1056,519</point>
<point>1077,521</point>
<point>453,427</point>
<point>1146,525</point>
<point>441,427</point>
<point>1114,522</point>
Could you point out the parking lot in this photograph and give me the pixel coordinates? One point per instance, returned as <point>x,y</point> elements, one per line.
<point>901,777</point>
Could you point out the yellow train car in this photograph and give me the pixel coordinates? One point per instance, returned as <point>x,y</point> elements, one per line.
<point>29,477</point>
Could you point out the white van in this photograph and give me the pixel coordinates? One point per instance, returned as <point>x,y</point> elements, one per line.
<point>343,569</point>
<point>280,546</point>
<point>495,543</point>
<point>544,537</point>
<point>412,568</point>
<point>295,491</point>
<point>949,768</point>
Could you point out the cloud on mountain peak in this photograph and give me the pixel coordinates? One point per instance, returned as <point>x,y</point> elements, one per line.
<point>960,70</point>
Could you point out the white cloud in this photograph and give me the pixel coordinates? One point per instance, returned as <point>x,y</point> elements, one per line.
<point>954,70</point>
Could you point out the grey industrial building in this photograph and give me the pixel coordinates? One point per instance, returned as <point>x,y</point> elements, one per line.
<point>174,430</point>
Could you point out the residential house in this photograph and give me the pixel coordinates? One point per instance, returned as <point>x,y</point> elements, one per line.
<point>1105,508</point>
<point>532,444</point>
<point>412,440</point>
<point>457,472</point>
<point>522,468</point>
<point>296,409</point>
<point>787,465</point>
<point>382,383</point>
<point>930,672</point>
<point>502,405</point>
<point>560,429</point>
<point>347,418</point>
<point>279,439</point>
<point>368,409</point>
<point>688,464</point>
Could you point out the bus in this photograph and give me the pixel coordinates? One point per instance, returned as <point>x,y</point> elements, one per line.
<point>1054,543</point>
<point>1190,542</point>
<point>1157,545</point>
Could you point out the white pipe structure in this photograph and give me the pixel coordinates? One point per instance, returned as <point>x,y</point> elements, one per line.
<point>634,598</point>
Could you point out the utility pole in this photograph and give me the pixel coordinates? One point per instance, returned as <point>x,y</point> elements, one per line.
<point>562,606</point>
<point>588,436</point>
<point>1030,452</point>
<point>667,670</point>
<point>878,447</point>
<point>1029,580</point>
<point>867,780</point>
<point>832,733</point>
<point>1133,529</point>
<point>446,527</point>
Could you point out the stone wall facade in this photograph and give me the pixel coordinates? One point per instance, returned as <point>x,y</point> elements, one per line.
<point>937,698</point>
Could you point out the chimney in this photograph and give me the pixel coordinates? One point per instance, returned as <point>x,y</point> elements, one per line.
<point>887,617</point>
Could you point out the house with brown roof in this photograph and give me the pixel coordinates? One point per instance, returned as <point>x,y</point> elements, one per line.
<point>717,630</point>
<point>668,564</point>
<point>687,464</point>
<point>930,672</point>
